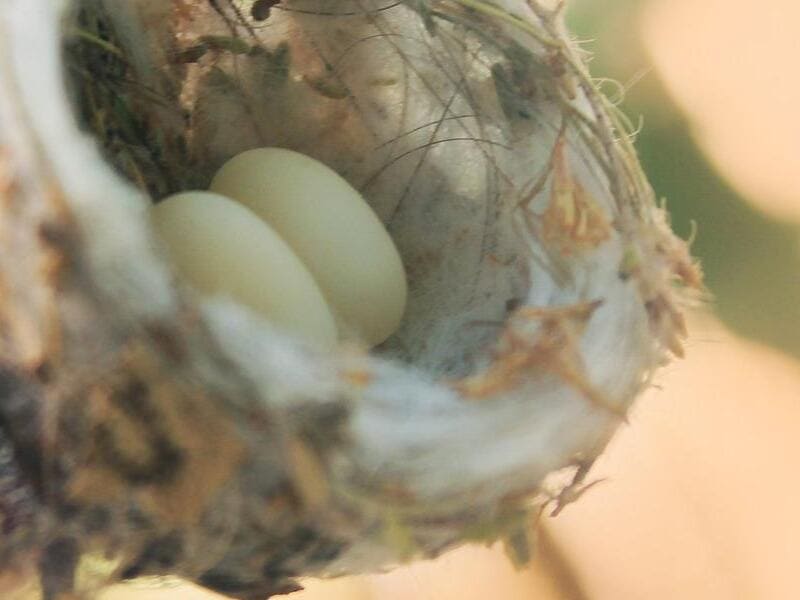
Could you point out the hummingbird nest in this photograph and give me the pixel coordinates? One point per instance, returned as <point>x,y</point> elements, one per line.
<point>147,431</point>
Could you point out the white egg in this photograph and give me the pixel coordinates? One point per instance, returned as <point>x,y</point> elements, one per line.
<point>221,248</point>
<point>331,228</point>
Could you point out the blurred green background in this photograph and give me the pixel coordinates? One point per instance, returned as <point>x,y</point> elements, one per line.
<point>750,258</point>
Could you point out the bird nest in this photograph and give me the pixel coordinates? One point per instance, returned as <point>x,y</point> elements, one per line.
<point>186,435</point>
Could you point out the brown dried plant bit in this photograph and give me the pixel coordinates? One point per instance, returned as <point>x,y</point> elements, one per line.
<point>580,312</point>
<point>558,68</point>
<point>93,481</point>
<point>668,324</point>
<point>156,439</point>
<point>355,367</point>
<point>562,328</point>
<point>518,353</point>
<point>573,221</point>
<point>687,270</point>
<point>554,346</point>
<point>358,378</point>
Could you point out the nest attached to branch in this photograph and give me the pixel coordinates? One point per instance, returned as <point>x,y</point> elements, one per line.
<point>147,431</point>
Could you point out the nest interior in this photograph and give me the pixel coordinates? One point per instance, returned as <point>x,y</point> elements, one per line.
<point>448,129</point>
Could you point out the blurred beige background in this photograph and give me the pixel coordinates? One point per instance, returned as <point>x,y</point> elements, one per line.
<point>701,500</point>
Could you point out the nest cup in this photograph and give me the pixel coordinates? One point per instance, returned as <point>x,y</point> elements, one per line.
<point>448,122</point>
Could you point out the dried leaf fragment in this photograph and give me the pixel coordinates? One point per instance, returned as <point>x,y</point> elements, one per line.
<point>574,221</point>
<point>142,436</point>
<point>538,338</point>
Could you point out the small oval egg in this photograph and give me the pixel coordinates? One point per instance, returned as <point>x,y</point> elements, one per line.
<point>221,248</point>
<point>331,228</point>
